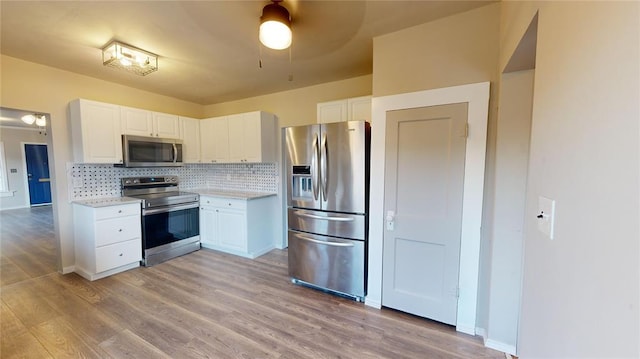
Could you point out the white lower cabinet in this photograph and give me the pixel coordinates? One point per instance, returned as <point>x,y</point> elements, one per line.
<point>237,226</point>
<point>107,239</point>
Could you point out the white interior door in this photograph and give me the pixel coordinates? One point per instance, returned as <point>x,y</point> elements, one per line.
<point>425,156</point>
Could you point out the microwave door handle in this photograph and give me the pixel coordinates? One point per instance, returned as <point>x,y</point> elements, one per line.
<point>175,153</point>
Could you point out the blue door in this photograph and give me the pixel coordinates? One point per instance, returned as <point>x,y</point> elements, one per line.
<point>38,174</point>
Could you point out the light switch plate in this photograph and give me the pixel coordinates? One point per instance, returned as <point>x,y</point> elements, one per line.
<point>546,216</point>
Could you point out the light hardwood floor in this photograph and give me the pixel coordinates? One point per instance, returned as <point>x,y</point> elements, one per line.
<point>202,305</point>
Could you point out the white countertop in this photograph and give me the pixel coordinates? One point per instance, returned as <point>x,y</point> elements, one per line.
<point>212,192</point>
<point>106,202</point>
<point>215,192</point>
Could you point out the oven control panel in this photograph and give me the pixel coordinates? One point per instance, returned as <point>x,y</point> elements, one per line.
<point>148,181</point>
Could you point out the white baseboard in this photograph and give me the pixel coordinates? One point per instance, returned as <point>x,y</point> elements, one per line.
<point>372,303</point>
<point>481,332</point>
<point>9,208</point>
<point>69,269</point>
<point>466,329</point>
<point>501,347</point>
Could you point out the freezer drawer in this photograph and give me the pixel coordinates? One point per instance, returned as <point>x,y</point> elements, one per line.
<point>332,224</point>
<point>328,262</point>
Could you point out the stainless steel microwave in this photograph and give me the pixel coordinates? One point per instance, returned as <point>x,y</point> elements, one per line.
<point>139,151</point>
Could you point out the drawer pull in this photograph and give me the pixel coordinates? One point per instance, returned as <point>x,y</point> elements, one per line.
<point>120,230</point>
<point>119,211</point>
<point>229,203</point>
<point>120,255</point>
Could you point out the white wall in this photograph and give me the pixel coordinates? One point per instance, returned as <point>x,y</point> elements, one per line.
<point>581,289</point>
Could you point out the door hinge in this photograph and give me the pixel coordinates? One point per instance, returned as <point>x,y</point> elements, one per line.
<point>457,292</point>
<point>466,130</point>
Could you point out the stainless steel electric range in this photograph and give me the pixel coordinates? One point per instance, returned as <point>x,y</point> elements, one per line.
<point>170,217</point>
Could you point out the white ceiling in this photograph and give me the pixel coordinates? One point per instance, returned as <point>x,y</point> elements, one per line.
<point>209,50</point>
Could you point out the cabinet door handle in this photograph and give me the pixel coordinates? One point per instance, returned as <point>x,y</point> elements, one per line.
<point>120,230</point>
<point>119,211</point>
<point>120,255</point>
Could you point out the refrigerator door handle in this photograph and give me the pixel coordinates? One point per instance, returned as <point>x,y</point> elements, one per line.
<point>314,168</point>
<point>332,244</point>
<point>313,216</point>
<point>323,168</point>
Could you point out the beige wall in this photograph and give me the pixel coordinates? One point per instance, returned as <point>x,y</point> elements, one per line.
<point>295,107</point>
<point>581,290</point>
<point>27,85</point>
<point>456,50</point>
<point>13,140</point>
<point>503,272</point>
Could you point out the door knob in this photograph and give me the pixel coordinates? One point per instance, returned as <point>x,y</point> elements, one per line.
<point>389,219</point>
<point>390,216</point>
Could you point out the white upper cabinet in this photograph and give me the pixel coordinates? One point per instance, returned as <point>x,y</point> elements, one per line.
<point>214,140</point>
<point>351,109</point>
<point>136,121</point>
<point>190,134</point>
<point>359,109</point>
<point>166,125</point>
<point>333,111</point>
<point>252,137</point>
<point>95,131</point>
<point>147,123</point>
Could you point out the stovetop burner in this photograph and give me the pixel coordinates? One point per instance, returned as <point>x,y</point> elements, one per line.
<point>153,200</point>
<point>157,191</point>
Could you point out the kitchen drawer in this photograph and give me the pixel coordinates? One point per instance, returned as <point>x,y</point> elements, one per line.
<point>229,203</point>
<point>119,254</point>
<point>117,211</point>
<point>116,230</point>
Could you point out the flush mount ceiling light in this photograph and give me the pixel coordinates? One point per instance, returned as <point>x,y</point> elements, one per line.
<point>29,119</point>
<point>39,119</point>
<point>122,56</point>
<point>275,26</point>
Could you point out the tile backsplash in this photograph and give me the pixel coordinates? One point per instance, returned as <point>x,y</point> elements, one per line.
<point>97,181</point>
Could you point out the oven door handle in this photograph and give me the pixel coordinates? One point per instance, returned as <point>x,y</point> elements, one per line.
<point>148,212</point>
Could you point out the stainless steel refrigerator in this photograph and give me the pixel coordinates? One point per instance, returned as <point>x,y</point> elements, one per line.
<point>328,199</point>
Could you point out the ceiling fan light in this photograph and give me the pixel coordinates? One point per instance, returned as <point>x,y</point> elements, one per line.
<point>28,119</point>
<point>275,27</point>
